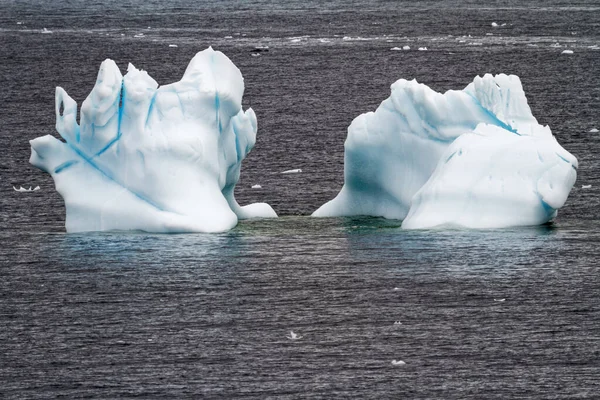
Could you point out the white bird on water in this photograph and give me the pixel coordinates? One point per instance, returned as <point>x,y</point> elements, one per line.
<point>294,336</point>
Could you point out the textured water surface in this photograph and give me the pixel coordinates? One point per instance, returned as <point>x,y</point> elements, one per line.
<point>473,314</point>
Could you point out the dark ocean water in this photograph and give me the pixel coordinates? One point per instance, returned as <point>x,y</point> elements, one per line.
<point>500,314</point>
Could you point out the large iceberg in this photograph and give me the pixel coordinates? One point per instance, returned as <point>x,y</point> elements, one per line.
<point>155,159</point>
<point>473,158</point>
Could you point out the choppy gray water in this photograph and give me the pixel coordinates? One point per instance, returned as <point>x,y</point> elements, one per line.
<point>481,314</point>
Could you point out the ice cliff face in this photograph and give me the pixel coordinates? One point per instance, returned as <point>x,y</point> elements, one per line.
<point>158,159</point>
<point>474,158</point>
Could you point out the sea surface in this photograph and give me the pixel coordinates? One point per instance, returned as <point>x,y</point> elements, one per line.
<point>493,314</point>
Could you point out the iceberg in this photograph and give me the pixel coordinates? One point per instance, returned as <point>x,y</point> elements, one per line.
<point>474,158</point>
<point>157,159</point>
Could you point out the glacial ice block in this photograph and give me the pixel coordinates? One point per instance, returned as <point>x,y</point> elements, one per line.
<point>157,159</point>
<point>473,158</point>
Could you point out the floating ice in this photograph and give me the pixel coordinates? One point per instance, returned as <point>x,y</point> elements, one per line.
<point>292,171</point>
<point>500,300</point>
<point>256,187</point>
<point>405,47</point>
<point>46,31</point>
<point>593,130</point>
<point>494,24</point>
<point>475,158</point>
<point>294,336</point>
<point>22,189</point>
<point>398,362</point>
<point>586,186</point>
<point>422,48</point>
<point>395,48</point>
<point>172,45</point>
<point>155,159</point>
<point>567,52</point>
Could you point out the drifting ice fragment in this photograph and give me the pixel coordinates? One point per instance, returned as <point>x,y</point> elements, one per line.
<point>172,45</point>
<point>256,187</point>
<point>46,31</point>
<point>405,47</point>
<point>292,171</point>
<point>422,48</point>
<point>158,159</point>
<point>22,189</point>
<point>586,186</point>
<point>474,158</point>
<point>398,362</point>
<point>593,130</point>
<point>494,24</point>
<point>567,52</point>
<point>294,336</point>
<point>395,48</point>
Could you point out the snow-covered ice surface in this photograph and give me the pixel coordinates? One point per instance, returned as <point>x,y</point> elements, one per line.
<point>474,158</point>
<point>154,159</point>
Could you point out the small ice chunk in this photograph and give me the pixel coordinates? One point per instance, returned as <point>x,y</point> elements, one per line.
<point>22,189</point>
<point>500,300</point>
<point>46,31</point>
<point>228,37</point>
<point>294,336</point>
<point>398,362</point>
<point>405,47</point>
<point>19,23</point>
<point>292,171</point>
<point>504,24</point>
<point>36,188</point>
<point>172,45</point>
<point>397,323</point>
<point>567,52</point>
<point>395,48</point>
<point>256,187</point>
<point>593,130</point>
<point>422,48</point>
<point>139,35</point>
<point>255,54</point>
<point>296,40</point>
<point>586,186</point>
<point>494,24</point>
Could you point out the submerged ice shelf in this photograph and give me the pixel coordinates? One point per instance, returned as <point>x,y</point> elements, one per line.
<point>474,158</point>
<point>158,159</point>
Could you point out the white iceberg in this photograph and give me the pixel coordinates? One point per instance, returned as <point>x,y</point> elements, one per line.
<point>292,171</point>
<point>155,159</point>
<point>474,158</point>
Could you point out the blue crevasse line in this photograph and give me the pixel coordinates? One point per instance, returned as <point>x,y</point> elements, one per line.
<point>493,117</point>
<point>120,116</point>
<point>564,159</point>
<point>93,164</point>
<point>64,166</point>
<point>150,108</point>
